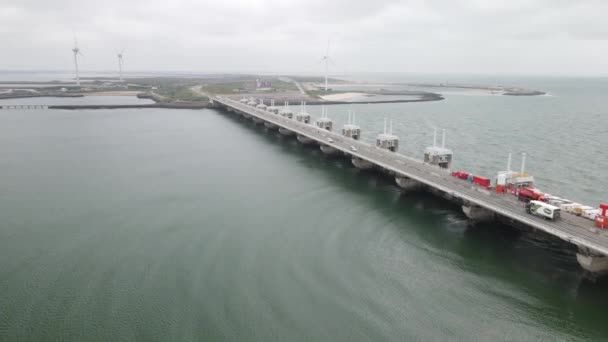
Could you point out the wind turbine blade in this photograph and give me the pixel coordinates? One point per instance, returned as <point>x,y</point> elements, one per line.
<point>327,52</point>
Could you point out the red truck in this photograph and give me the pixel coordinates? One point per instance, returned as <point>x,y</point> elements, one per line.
<point>460,174</point>
<point>527,194</point>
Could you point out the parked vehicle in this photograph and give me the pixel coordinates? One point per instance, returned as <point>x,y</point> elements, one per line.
<point>542,209</point>
<point>527,194</point>
<point>460,174</point>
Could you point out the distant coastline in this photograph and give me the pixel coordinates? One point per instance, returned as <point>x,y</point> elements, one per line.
<point>185,92</point>
<point>497,90</point>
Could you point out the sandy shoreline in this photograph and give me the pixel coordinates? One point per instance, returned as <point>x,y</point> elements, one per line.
<point>343,96</point>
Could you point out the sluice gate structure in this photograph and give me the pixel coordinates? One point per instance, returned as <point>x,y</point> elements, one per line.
<point>410,173</point>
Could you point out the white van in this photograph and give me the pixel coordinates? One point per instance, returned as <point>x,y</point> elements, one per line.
<point>543,209</point>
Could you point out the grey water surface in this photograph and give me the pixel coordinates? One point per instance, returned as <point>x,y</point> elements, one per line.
<point>192,225</point>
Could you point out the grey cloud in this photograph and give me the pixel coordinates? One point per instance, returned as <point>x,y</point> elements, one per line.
<point>271,35</point>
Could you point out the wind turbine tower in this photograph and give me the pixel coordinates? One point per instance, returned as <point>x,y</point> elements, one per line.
<point>120,64</point>
<point>326,59</point>
<point>76,52</point>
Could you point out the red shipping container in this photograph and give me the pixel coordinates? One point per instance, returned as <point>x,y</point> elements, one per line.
<point>483,181</point>
<point>601,221</point>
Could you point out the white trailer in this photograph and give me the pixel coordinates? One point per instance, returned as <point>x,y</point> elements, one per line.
<point>543,210</point>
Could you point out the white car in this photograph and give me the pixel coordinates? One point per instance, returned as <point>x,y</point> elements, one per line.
<point>330,140</point>
<point>353,148</point>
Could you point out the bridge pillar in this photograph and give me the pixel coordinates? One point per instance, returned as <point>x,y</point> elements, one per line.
<point>407,184</point>
<point>477,214</point>
<point>286,132</point>
<point>329,150</point>
<point>269,125</point>
<point>592,262</point>
<point>362,163</point>
<point>305,140</point>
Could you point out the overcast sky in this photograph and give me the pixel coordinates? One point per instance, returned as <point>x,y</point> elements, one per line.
<point>562,37</point>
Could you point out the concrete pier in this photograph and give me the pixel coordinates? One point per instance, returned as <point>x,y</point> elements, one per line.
<point>477,214</point>
<point>408,184</point>
<point>305,140</point>
<point>592,262</point>
<point>270,125</point>
<point>362,163</point>
<point>286,132</point>
<point>329,150</point>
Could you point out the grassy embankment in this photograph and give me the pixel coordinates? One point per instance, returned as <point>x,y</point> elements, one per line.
<point>173,89</point>
<point>245,85</point>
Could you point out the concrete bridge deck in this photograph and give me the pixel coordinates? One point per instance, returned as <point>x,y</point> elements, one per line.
<point>576,230</point>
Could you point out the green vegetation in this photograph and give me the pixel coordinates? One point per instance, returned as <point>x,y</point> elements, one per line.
<point>175,89</point>
<point>181,93</point>
<point>230,87</point>
<point>179,89</point>
<point>279,85</point>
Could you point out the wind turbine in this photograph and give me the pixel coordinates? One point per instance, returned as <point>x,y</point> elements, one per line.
<point>120,64</point>
<point>76,52</point>
<point>326,59</point>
